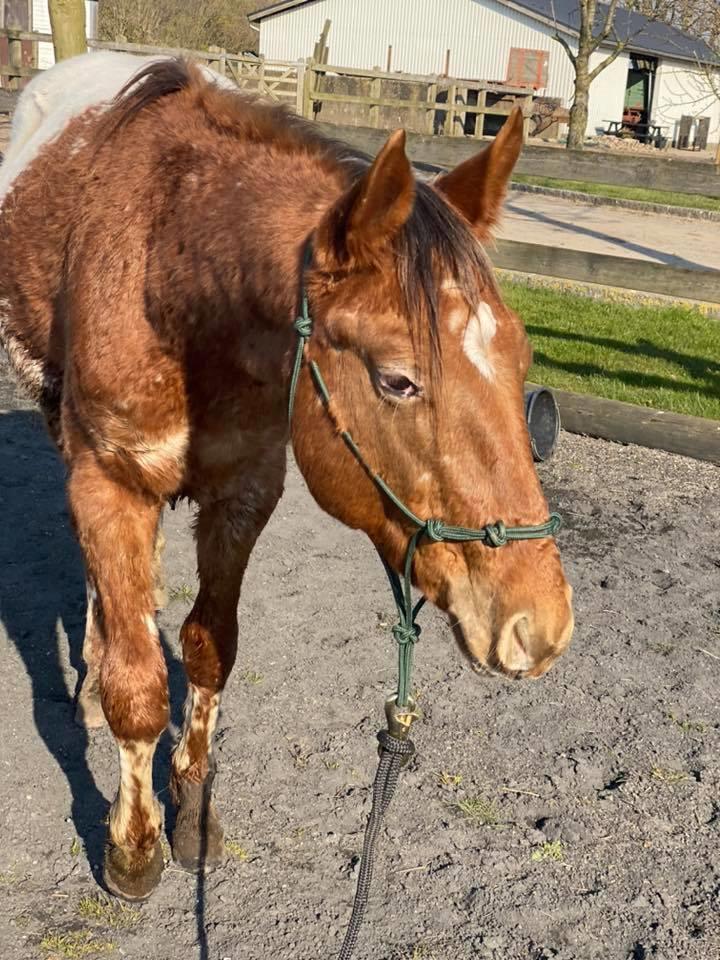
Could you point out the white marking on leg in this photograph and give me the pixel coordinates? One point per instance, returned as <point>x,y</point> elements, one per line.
<point>152,627</point>
<point>201,714</point>
<point>29,370</point>
<point>479,333</point>
<point>135,796</point>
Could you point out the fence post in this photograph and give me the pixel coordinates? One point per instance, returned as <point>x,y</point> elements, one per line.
<point>480,115</point>
<point>375,94</point>
<point>449,130</point>
<point>300,89</point>
<point>527,116</point>
<point>430,114</point>
<point>217,63</point>
<point>15,57</point>
<point>308,86</point>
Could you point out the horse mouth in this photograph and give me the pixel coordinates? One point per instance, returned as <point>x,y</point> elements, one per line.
<point>491,667</point>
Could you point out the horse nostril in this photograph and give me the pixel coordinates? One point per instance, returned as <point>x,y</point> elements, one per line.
<point>515,645</point>
<point>522,635</point>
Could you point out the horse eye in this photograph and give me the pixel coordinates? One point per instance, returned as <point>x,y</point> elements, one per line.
<point>398,386</point>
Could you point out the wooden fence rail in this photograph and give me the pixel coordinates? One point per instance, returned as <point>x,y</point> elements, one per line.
<point>593,166</point>
<point>626,272</point>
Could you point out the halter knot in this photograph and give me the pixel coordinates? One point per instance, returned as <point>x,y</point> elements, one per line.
<point>496,534</point>
<point>404,635</point>
<point>303,326</point>
<point>435,530</point>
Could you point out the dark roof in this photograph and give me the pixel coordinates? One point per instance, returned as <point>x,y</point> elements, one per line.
<point>642,35</point>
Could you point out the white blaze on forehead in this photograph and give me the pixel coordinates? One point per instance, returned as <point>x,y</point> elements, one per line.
<point>478,335</point>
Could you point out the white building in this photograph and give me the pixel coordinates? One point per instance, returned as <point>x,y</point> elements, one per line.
<point>662,72</point>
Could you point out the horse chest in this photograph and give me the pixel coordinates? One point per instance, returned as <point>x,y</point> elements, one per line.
<point>222,461</point>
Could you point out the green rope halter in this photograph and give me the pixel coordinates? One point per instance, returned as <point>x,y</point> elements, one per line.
<point>406,631</point>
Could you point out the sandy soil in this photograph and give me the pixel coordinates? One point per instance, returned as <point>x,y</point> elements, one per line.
<point>598,831</point>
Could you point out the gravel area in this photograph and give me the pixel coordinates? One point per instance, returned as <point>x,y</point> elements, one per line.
<point>574,818</point>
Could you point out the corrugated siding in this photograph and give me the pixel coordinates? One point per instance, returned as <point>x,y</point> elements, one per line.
<point>682,89</point>
<point>478,34</point>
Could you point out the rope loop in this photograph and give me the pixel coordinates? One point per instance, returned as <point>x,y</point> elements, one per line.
<point>435,530</point>
<point>303,326</point>
<point>496,534</point>
<point>404,635</point>
<point>395,746</point>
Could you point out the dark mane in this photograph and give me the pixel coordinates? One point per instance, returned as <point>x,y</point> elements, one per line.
<point>434,246</point>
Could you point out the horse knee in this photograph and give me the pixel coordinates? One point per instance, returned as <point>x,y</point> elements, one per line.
<point>134,690</point>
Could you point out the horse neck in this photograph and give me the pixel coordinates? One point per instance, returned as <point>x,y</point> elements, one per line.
<point>236,236</point>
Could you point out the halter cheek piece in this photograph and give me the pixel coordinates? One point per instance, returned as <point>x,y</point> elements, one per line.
<point>395,748</point>
<point>406,631</point>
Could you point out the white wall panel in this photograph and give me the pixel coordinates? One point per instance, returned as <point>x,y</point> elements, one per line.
<point>478,33</point>
<point>684,89</point>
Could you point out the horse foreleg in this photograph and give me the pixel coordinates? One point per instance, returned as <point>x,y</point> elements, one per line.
<point>116,527</point>
<point>89,712</point>
<point>226,533</point>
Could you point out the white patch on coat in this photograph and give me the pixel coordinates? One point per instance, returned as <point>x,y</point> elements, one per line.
<point>478,336</point>
<point>29,370</point>
<point>156,453</point>
<point>56,96</point>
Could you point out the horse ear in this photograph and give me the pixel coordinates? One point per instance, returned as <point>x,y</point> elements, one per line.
<point>477,187</point>
<point>365,220</point>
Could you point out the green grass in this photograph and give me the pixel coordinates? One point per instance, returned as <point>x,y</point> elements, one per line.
<point>663,357</point>
<point>478,810</point>
<point>672,199</point>
<point>549,851</point>
<point>110,913</point>
<point>73,945</point>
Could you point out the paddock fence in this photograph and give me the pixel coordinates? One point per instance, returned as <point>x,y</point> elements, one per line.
<point>305,86</point>
<point>437,105</point>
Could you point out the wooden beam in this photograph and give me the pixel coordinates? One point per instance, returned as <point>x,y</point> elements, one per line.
<point>592,166</point>
<point>611,271</point>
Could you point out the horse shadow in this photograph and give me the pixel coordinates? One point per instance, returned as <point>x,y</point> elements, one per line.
<point>42,609</point>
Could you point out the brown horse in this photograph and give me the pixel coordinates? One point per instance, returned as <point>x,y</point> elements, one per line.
<point>151,267</point>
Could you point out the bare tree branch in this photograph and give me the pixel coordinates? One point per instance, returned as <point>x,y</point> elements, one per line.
<point>607,61</point>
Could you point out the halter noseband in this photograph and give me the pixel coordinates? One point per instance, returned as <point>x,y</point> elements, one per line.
<point>406,631</point>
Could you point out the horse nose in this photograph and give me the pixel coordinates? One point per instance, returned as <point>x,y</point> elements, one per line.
<point>528,647</point>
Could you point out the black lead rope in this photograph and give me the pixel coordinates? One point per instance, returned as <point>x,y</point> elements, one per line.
<point>394,754</point>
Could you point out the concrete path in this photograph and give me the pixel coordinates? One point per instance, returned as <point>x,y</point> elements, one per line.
<point>535,218</point>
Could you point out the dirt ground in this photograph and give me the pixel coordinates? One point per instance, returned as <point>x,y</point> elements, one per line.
<point>575,817</point>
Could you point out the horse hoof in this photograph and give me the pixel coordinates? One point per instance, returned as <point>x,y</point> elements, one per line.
<point>197,842</point>
<point>89,712</point>
<point>132,877</point>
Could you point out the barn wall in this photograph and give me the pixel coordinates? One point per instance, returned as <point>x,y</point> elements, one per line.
<point>607,92</point>
<point>685,89</point>
<point>478,34</point>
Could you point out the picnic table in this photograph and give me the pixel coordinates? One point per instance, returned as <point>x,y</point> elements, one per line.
<point>644,132</point>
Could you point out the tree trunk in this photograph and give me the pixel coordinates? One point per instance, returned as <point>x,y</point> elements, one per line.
<point>580,108</point>
<point>67,19</point>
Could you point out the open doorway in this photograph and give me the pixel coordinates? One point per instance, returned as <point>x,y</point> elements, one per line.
<point>639,89</point>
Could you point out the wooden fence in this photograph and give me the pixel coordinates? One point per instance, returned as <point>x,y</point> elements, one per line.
<point>276,80</point>
<point>593,166</point>
<point>626,272</point>
<point>427,103</point>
